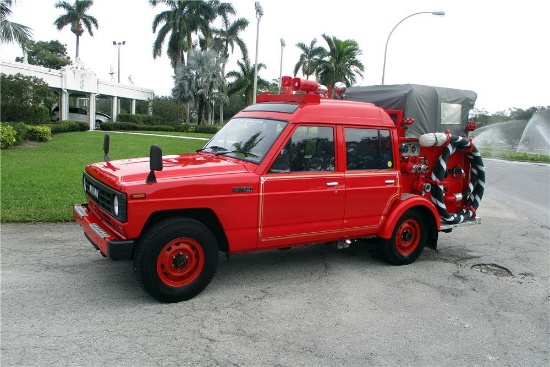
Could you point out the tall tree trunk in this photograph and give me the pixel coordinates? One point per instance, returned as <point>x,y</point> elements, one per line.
<point>77,46</point>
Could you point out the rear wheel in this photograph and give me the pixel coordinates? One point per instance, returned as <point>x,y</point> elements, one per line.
<point>408,239</point>
<point>176,259</point>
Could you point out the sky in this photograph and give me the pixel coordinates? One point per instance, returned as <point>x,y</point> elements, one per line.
<point>498,49</point>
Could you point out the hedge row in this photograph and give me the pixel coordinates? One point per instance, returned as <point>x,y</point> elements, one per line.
<point>185,128</point>
<point>140,119</point>
<point>14,133</point>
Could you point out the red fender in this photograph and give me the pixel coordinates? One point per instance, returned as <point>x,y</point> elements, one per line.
<point>406,202</point>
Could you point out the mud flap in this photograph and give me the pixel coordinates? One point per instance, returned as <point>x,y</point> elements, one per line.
<point>431,241</point>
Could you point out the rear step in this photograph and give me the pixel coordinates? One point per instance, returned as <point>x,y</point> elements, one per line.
<point>449,227</point>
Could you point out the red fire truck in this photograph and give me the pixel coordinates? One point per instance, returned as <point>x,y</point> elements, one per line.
<point>294,169</point>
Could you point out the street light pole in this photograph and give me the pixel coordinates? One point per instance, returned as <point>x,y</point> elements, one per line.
<point>119,44</point>
<point>438,13</point>
<point>259,13</point>
<point>283,44</point>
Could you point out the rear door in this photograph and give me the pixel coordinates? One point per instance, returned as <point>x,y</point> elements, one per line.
<point>372,180</point>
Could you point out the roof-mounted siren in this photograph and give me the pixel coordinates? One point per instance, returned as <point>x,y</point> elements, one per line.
<point>304,85</point>
<point>308,86</point>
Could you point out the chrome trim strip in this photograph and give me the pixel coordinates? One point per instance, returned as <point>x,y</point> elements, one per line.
<point>80,211</point>
<point>99,231</point>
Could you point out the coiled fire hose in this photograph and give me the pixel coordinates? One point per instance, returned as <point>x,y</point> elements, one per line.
<point>476,186</point>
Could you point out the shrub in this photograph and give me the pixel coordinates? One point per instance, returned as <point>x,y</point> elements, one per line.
<point>140,119</point>
<point>21,131</point>
<point>33,115</point>
<point>40,133</point>
<point>110,126</point>
<point>7,136</point>
<point>185,128</point>
<point>169,109</point>
<point>25,98</point>
<point>207,129</point>
<point>68,126</point>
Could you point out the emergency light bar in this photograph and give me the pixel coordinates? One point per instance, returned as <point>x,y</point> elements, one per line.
<point>313,91</point>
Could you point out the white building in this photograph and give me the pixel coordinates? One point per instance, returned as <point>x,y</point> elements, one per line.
<point>77,81</point>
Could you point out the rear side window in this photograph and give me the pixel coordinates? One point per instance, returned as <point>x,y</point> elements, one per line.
<point>368,149</point>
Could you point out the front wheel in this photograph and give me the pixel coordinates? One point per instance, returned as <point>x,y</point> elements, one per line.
<point>176,259</point>
<point>407,241</point>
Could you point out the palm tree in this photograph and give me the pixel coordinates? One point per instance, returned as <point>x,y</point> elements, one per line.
<point>78,19</point>
<point>181,21</point>
<point>309,58</point>
<point>200,81</point>
<point>244,80</point>
<point>340,63</point>
<point>227,37</point>
<point>10,31</point>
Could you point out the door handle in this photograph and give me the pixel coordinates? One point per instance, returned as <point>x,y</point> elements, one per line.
<point>332,184</point>
<point>390,182</point>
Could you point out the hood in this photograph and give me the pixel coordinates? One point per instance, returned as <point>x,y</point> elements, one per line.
<point>174,166</point>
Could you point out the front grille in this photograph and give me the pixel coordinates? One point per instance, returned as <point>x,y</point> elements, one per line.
<point>104,197</point>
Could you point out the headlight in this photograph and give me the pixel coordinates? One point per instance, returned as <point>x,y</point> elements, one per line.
<point>115,206</point>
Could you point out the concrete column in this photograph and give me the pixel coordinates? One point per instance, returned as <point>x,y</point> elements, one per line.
<point>64,105</point>
<point>133,107</point>
<point>114,108</point>
<point>91,110</point>
<point>150,107</point>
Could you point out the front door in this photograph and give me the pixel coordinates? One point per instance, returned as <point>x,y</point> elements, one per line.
<point>302,198</point>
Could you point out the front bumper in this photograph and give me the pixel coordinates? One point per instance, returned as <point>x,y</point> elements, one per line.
<point>101,237</point>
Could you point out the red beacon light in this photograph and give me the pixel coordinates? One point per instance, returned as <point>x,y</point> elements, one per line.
<point>286,85</point>
<point>471,126</point>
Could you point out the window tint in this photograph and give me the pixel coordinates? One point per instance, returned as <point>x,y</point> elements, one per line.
<point>368,149</point>
<point>311,148</point>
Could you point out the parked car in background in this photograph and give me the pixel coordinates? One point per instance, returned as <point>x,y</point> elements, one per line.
<point>80,114</point>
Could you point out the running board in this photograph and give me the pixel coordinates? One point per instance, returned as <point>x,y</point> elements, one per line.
<point>449,227</point>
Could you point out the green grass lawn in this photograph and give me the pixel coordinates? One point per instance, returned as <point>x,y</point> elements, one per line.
<point>40,183</point>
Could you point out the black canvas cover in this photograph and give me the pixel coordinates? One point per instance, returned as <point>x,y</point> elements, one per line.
<point>434,109</point>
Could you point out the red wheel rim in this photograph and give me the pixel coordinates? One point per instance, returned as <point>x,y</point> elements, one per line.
<point>180,262</point>
<point>407,237</point>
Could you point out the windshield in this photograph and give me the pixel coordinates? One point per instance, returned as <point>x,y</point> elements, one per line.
<point>245,138</point>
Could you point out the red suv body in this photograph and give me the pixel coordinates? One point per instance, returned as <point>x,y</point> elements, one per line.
<point>291,170</point>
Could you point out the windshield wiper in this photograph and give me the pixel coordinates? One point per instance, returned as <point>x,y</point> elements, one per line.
<point>243,152</point>
<point>215,149</point>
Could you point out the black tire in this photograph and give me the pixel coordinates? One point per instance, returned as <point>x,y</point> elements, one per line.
<point>408,239</point>
<point>176,259</point>
<point>97,125</point>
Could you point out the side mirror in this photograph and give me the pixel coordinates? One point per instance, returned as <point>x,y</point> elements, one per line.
<point>155,163</point>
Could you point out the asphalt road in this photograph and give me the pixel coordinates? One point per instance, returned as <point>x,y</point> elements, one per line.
<point>482,299</point>
<point>522,186</point>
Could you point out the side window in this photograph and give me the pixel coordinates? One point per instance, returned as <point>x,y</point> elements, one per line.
<point>311,148</point>
<point>368,149</point>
